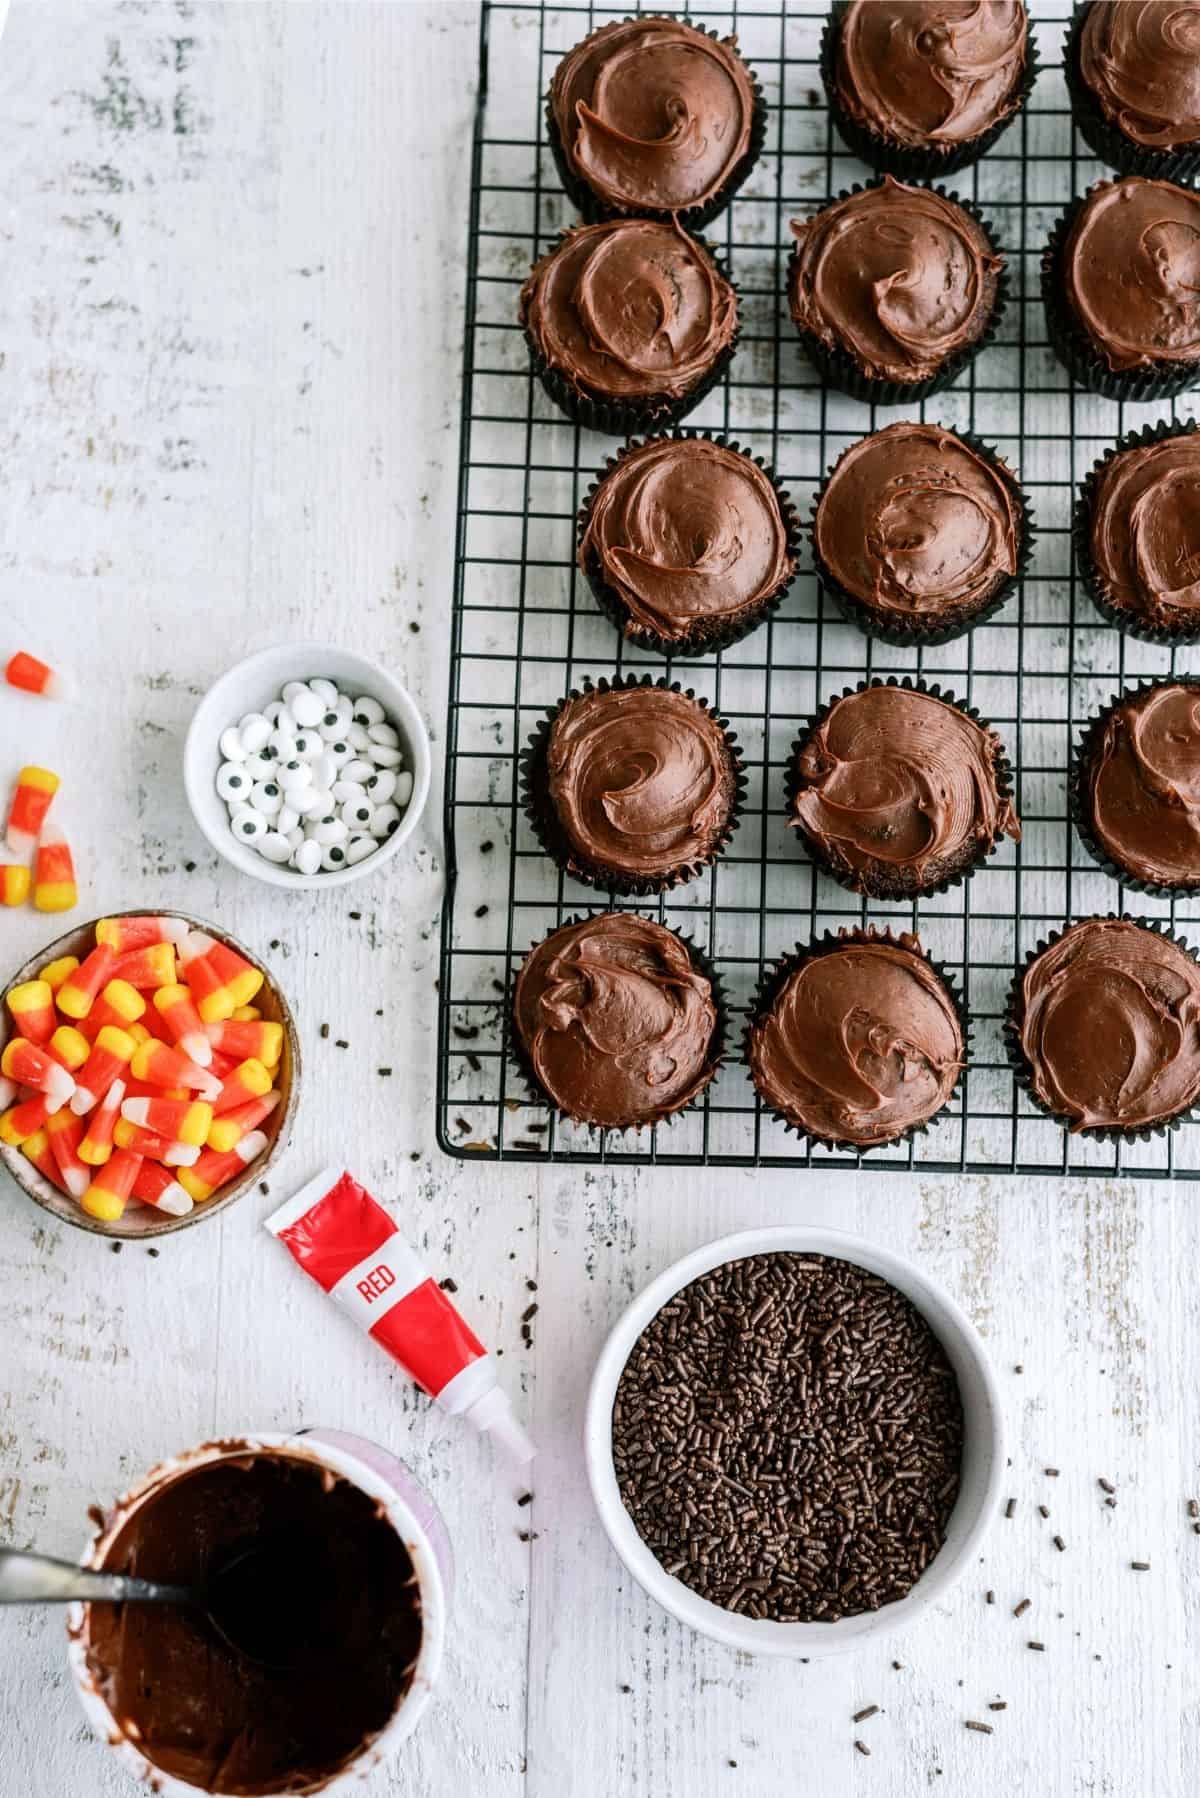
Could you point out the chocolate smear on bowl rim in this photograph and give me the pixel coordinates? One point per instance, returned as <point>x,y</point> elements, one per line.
<point>547,765</point>
<point>868,1052</point>
<point>1133,798</point>
<point>919,510</point>
<point>900,132</point>
<point>976,810</point>
<point>1118,584</point>
<point>718,508</point>
<point>787,1438</point>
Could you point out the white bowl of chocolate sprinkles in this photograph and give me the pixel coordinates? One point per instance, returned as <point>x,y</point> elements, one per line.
<point>794,1440</point>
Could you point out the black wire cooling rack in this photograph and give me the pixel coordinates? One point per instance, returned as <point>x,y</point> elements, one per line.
<point>526,629</point>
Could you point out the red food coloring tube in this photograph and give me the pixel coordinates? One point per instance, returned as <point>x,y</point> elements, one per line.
<point>347,1243</point>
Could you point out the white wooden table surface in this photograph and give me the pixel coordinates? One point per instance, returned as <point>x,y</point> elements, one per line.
<point>230,321</point>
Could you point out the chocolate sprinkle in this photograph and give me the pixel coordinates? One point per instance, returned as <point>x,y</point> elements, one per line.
<point>983,1729</point>
<point>1019,1610</point>
<point>1010,1507</point>
<point>870,1710</point>
<point>787,1438</point>
<point>862,1748</point>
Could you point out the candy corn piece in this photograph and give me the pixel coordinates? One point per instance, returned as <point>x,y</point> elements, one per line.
<point>70,1047</point>
<point>215,1169</point>
<point>35,789</point>
<point>119,1004</point>
<point>77,994</point>
<point>31,676</point>
<point>108,1194</point>
<point>183,1120</point>
<point>157,1186</point>
<point>124,934</point>
<point>155,1148</point>
<point>9,1091</point>
<point>36,1149</point>
<point>147,968</point>
<point>55,972</point>
<point>160,1065</point>
<point>228,1130</point>
<point>111,1054</point>
<point>240,1038</point>
<point>249,1080</point>
<point>32,1007</point>
<point>242,1014</point>
<point>32,1066</point>
<point>175,1007</point>
<point>220,980</point>
<point>222,1065</point>
<point>54,887</point>
<point>97,1143</point>
<point>65,1132</point>
<point>15,882</point>
<point>24,1120</point>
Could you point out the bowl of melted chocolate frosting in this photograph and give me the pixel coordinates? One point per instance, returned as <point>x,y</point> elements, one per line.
<point>324,1566</point>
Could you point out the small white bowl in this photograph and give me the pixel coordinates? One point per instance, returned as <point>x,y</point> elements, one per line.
<point>253,684</point>
<point>982,1464</point>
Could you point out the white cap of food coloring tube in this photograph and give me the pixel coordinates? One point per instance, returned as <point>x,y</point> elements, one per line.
<point>493,1415</point>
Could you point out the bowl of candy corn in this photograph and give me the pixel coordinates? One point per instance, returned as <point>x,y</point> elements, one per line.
<point>149,1074</point>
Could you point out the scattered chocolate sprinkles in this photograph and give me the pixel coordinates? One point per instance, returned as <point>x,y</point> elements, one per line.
<point>862,1747</point>
<point>1043,1510</point>
<point>990,1596</point>
<point>998,1704</point>
<point>1193,1509</point>
<point>1051,1473</point>
<point>1107,1486</point>
<point>1059,1544</point>
<point>869,1710</point>
<point>983,1729</point>
<point>787,1437</point>
<point>1010,1508</point>
<point>1019,1610</point>
<point>324,1032</point>
<point>1038,1647</point>
<point>1140,1566</point>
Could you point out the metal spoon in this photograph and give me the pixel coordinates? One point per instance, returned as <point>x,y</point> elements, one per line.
<point>27,1578</point>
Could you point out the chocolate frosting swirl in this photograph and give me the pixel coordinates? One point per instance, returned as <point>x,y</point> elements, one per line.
<point>861,1043</point>
<point>1144,537</point>
<point>629,308</point>
<point>1141,59</point>
<point>897,276</point>
<point>931,72</point>
<point>915,523</point>
<point>1131,272</point>
<point>641,780</point>
<point>653,114</point>
<point>895,787</point>
<point>1110,1026</point>
<point>685,531</point>
<point>1143,784</point>
<point>618,1023</point>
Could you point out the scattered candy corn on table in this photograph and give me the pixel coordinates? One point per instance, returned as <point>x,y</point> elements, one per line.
<point>231,324</point>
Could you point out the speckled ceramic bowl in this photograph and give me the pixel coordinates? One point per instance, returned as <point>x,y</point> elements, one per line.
<point>142,1221</point>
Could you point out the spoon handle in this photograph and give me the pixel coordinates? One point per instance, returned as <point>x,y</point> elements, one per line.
<point>27,1578</point>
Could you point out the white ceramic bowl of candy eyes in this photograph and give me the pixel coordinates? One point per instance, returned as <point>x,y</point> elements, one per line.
<point>981,1468</point>
<point>307,766</point>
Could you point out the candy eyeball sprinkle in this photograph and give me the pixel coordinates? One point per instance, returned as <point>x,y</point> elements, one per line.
<point>315,781</point>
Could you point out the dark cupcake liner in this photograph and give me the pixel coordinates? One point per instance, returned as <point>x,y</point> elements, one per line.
<point>1014,1019</point>
<point>1131,623</point>
<point>535,797</point>
<point>915,634</point>
<point>649,412</point>
<point>1079,801</point>
<point>898,895</point>
<point>537,1093</point>
<point>590,204</point>
<point>839,368</point>
<point>1073,347</point>
<point>771,985</point>
<point>1107,140</point>
<point>705,639</point>
<point>911,162</point>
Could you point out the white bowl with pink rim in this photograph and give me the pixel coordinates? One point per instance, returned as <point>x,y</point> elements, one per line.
<point>982,1462</point>
<point>406,1507</point>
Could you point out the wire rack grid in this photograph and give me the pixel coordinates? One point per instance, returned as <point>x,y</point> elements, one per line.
<point>526,630</point>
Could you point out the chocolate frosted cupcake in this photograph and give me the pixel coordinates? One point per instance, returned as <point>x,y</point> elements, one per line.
<point>898,791</point>
<point>687,543</point>
<point>617,1021</point>
<point>654,117</point>
<point>629,324</point>
<point>924,87</point>
<point>1135,787</point>
<point>856,1041</point>
<point>893,289</point>
<point>1120,277</point>
<point>633,786</point>
<point>1133,71</point>
<point>1137,534</point>
<point>919,533</point>
<point>1104,1027</point>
